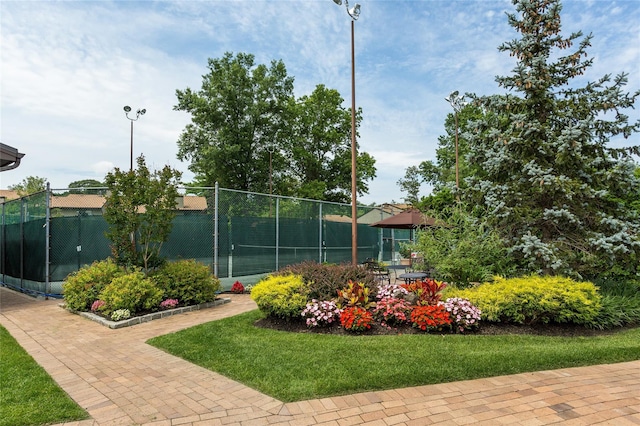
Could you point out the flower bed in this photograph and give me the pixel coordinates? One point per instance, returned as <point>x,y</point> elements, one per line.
<point>128,322</point>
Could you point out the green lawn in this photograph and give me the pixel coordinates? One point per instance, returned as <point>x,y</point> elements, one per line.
<point>28,395</point>
<point>299,366</point>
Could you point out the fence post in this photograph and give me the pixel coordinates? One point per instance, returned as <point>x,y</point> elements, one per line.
<point>277,233</point>
<point>319,232</point>
<point>47,242</point>
<point>215,230</point>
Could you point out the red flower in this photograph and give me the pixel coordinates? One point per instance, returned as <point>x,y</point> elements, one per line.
<point>430,317</point>
<point>355,318</point>
<point>237,287</point>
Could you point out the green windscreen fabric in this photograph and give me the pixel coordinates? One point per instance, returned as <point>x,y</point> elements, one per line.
<point>257,234</point>
<point>76,241</point>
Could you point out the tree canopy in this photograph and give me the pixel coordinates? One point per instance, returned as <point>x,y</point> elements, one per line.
<point>29,185</point>
<point>139,208</point>
<point>248,132</point>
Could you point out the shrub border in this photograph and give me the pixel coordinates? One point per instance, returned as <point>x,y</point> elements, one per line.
<point>148,317</point>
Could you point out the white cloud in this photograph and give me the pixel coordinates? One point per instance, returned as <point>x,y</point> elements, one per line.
<point>68,68</point>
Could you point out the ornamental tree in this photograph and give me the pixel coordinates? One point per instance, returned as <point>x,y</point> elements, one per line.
<point>140,207</point>
<point>552,187</point>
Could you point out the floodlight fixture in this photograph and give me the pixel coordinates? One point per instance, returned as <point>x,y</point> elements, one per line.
<point>139,112</point>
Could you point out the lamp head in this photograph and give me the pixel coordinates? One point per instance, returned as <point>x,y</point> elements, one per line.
<point>338,2</point>
<point>354,12</point>
<point>127,108</point>
<point>141,111</point>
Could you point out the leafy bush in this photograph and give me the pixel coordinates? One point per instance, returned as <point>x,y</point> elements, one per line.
<point>169,304</point>
<point>120,314</point>
<point>82,287</point>
<point>237,288</point>
<point>354,294</point>
<point>356,318</point>
<point>466,250</point>
<point>464,315</point>
<point>534,299</point>
<point>188,281</point>
<point>617,311</point>
<point>392,290</point>
<point>281,296</point>
<point>427,292</point>
<point>392,311</point>
<point>322,313</point>
<point>430,317</point>
<point>325,279</point>
<point>133,292</point>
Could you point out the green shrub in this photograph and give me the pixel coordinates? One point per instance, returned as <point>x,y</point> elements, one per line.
<point>188,281</point>
<point>617,311</point>
<point>81,288</point>
<point>133,292</point>
<point>281,296</point>
<point>618,287</point>
<point>465,250</point>
<point>325,279</point>
<point>534,299</point>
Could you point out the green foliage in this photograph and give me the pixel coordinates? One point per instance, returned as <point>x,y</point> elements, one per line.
<point>321,148</point>
<point>620,303</point>
<point>534,299</point>
<point>617,311</point>
<point>426,292</point>
<point>140,209</point>
<point>238,115</point>
<point>188,281</point>
<point>29,185</point>
<point>355,294</point>
<point>131,291</point>
<point>81,288</point>
<point>464,250</point>
<point>553,189</point>
<point>249,133</point>
<point>323,280</point>
<point>281,296</point>
<point>86,186</point>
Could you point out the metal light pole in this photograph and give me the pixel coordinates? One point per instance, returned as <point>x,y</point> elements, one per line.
<point>354,13</point>
<point>139,112</point>
<point>271,149</point>
<point>457,102</point>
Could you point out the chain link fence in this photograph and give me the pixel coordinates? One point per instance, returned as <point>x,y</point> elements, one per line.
<point>46,236</point>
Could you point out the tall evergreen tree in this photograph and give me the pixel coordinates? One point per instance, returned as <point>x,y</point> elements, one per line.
<point>553,188</point>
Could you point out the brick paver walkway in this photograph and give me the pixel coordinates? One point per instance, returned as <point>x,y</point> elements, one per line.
<point>120,380</point>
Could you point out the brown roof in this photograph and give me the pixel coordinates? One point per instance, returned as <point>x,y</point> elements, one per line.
<point>408,219</point>
<point>77,201</point>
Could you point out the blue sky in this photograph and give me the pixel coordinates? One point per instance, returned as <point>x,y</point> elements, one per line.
<point>69,67</point>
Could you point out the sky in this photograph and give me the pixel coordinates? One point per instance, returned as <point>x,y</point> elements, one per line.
<point>69,67</point>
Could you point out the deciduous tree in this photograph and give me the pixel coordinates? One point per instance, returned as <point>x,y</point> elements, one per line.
<point>139,208</point>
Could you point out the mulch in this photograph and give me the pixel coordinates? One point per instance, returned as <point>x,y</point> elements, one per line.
<point>489,329</point>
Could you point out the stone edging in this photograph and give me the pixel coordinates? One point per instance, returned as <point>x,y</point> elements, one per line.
<point>149,317</point>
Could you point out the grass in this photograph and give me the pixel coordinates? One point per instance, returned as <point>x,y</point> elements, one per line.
<point>28,395</point>
<point>299,366</point>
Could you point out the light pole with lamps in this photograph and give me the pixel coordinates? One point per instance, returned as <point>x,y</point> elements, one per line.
<point>139,112</point>
<point>354,13</point>
<point>457,102</point>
